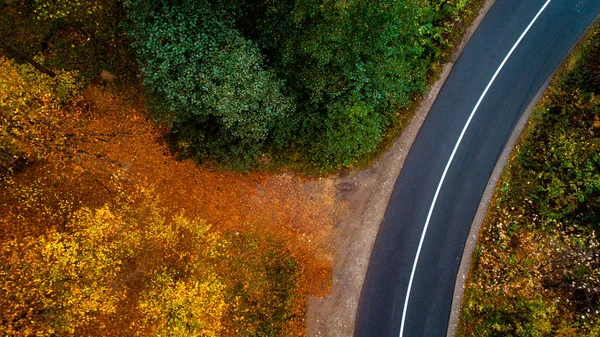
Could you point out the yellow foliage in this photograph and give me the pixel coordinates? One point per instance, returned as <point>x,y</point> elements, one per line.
<point>61,9</point>
<point>183,307</point>
<point>59,282</point>
<point>254,269</point>
<point>31,113</point>
<point>64,283</point>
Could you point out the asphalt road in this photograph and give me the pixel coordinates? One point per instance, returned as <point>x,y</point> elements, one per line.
<point>532,62</point>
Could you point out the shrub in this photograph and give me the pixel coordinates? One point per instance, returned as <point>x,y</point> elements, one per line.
<point>347,67</point>
<point>206,78</point>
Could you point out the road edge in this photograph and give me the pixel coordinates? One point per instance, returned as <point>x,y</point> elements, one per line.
<point>486,198</point>
<point>363,226</point>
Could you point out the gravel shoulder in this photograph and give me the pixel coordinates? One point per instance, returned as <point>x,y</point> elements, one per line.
<point>365,195</point>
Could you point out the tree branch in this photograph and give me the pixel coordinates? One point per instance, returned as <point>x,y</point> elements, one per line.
<point>10,49</point>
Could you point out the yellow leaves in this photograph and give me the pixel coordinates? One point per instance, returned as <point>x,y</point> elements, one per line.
<point>183,307</point>
<point>70,275</point>
<point>83,274</point>
<point>65,9</point>
<point>31,108</point>
<point>596,123</point>
<point>89,270</point>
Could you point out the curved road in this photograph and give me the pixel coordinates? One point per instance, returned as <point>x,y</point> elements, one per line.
<point>516,48</point>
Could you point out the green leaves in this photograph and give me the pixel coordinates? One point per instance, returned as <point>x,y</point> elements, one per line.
<point>305,79</point>
<point>206,79</point>
<point>346,56</point>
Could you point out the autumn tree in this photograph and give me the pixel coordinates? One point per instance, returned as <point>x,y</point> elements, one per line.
<point>59,283</point>
<point>32,114</point>
<point>82,36</point>
<point>137,268</point>
<point>78,224</point>
<point>69,282</point>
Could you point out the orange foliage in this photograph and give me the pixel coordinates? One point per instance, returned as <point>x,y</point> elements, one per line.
<point>114,149</point>
<point>288,208</point>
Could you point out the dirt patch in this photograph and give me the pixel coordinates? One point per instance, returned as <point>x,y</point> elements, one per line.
<point>365,195</point>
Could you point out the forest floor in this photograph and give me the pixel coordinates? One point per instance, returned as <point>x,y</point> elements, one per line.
<point>116,158</point>
<point>364,195</point>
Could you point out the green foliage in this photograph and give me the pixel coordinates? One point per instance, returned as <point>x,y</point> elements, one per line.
<point>206,78</point>
<point>506,315</point>
<point>537,271</point>
<point>352,64</point>
<point>348,68</point>
<point>348,133</point>
<point>563,148</point>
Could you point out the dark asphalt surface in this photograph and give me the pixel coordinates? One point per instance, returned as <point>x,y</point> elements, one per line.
<point>532,63</point>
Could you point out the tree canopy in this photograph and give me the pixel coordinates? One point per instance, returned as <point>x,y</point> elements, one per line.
<point>206,78</point>
<point>319,80</point>
<point>101,232</point>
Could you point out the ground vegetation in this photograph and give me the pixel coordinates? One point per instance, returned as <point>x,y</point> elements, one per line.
<point>536,268</point>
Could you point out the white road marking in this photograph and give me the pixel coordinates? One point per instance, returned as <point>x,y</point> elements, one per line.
<point>437,192</point>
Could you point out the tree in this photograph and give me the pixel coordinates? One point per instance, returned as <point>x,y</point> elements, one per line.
<point>33,121</point>
<point>20,54</point>
<point>183,307</point>
<point>58,283</point>
<point>75,35</point>
<point>351,66</point>
<point>206,78</point>
<point>66,283</point>
<point>185,296</point>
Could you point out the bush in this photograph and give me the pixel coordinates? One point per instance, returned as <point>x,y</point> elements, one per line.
<point>348,67</point>
<point>537,272</point>
<point>206,79</point>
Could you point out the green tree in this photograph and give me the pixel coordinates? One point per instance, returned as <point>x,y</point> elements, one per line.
<point>207,79</point>
<point>348,65</point>
<point>351,65</point>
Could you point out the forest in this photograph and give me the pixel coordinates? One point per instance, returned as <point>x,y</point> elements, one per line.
<point>536,268</point>
<point>158,158</point>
